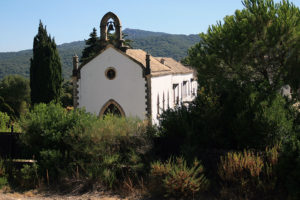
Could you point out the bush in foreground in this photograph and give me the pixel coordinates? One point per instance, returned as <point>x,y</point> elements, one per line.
<point>4,121</point>
<point>119,147</point>
<point>249,175</point>
<point>3,174</point>
<point>175,178</point>
<point>78,145</point>
<point>289,168</point>
<point>47,135</point>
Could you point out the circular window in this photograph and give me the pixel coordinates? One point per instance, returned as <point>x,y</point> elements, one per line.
<point>110,73</point>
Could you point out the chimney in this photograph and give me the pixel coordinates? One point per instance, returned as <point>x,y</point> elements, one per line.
<point>148,70</point>
<point>75,65</point>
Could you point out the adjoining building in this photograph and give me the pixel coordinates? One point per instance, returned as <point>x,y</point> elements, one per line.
<point>130,82</point>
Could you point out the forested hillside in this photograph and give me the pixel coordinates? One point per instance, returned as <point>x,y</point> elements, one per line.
<point>161,44</point>
<point>156,43</point>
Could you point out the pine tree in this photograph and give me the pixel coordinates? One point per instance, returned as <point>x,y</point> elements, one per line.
<point>45,69</point>
<point>259,46</point>
<point>92,46</point>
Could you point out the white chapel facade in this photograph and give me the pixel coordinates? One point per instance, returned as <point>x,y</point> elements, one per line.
<point>130,82</point>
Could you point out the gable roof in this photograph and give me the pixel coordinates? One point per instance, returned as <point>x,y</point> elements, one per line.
<point>169,66</point>
<point>158,68</point>
<point>100,52</point>
<point>175,66</point>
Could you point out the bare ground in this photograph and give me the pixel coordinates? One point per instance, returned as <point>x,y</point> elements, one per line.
<point>36,195</point>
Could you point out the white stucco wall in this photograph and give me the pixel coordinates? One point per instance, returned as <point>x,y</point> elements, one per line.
<point>162,85</point>
<point>127,89</point>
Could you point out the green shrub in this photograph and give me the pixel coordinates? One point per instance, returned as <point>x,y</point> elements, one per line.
<point>28,176</point>
<point>2,168</point>
<point>119,147</point>
<point>176,129</point>
<point>232,120</point>
<point>15,90</point>
<point>3,175</point>
<point>4,122</point>
<point>24,177</point>
<point>289,168</point>
<point>176,179</point>
<point>76,144</point>
<point>49,136</point>
<point>3,181</point>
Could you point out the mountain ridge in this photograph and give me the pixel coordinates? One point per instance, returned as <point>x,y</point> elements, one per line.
<point>156,43</point>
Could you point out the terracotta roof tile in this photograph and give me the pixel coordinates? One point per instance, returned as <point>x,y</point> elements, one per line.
<point>170,66</point>
<point>175,66</point>
<point>140,56</point>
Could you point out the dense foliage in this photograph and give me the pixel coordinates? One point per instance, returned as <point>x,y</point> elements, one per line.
<point>47,133</point>
<point>4,107</point>
<point>259,46</point>
<point>242,64</point>
<point>4,121</point>
<point>15,91</point>
<point>67,94</point>
<point>243,121</point>
<point>212,127</point>
<point>78,144</point>
<point>289,167</point>
<point>92,46</point>
<point>162,44</point>
<point>3,174</point>
<point>45,69</point>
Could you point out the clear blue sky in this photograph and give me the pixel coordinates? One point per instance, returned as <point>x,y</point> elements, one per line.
<point>73,20</point>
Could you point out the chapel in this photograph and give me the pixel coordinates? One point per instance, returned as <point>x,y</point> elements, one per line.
<point>130,82</point>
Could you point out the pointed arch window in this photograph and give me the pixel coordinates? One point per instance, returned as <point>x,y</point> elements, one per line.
<point>112,107</point>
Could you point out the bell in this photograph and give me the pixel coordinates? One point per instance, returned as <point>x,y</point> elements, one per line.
<point>110,27</point>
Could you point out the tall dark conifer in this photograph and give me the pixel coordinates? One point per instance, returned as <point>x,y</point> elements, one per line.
<point>92,46</point>
<point>45,69</point>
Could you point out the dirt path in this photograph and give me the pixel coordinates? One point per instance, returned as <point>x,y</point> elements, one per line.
<point>33,195</point>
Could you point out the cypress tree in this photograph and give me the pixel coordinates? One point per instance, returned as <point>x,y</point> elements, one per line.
<point>45,69</point>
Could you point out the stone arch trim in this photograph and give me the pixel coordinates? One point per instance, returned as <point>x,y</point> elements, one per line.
<point>108,103</point>
<point>103,26</point>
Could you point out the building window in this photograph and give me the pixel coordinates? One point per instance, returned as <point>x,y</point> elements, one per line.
<point>188,88</point>
<point>176,94</point>
<point>184,89</point>
<point>112,107</point>
<point>191,85</point>
<point>158,104</point>
<point>163,101</point>
<point>168,100</point>
<point>110,73</point>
